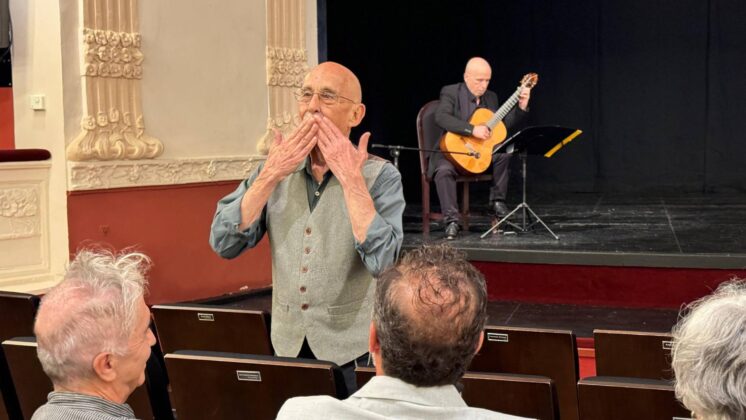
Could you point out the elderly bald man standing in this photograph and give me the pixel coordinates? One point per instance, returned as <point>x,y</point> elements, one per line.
<point>457,103</point>
<point>334,219</point>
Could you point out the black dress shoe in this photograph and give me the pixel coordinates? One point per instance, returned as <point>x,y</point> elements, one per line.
<point>500,209</point>
<point>452,230</point>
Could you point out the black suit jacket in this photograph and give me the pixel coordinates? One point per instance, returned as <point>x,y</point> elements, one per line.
<point>452,115</point>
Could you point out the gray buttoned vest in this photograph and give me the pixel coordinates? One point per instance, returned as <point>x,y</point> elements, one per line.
<point>321,289</point>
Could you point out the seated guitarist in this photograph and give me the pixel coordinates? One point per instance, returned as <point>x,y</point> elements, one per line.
<point>457,104</point>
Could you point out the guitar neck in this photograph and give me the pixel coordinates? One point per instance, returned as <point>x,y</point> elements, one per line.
<point>504,109</point>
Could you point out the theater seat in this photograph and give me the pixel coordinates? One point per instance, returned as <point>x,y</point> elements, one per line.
<point>615,398</point>
<point>633,354</point>
<point>17,313</point>
<point>520,395</point>
<point>533,351</point>
<point>3,410</point>
<point>226,386</point>
<point>363,375</point>
<point>32,385</point>
<point>209,328</point>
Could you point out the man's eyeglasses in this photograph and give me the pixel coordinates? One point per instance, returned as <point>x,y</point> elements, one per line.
<point>325,96</point>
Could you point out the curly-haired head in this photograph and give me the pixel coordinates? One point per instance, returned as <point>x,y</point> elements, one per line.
<point>430,311</point>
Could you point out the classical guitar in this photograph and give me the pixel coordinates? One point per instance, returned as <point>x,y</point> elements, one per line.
<point>475,155</point>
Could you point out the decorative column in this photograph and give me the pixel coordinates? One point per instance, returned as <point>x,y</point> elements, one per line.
<point>112,125</point>
<point>287,64</point>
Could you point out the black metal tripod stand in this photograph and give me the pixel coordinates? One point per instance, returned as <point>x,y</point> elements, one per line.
<point>524,207</point>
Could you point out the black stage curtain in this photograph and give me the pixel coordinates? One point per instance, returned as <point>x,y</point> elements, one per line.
<point>656,86</point>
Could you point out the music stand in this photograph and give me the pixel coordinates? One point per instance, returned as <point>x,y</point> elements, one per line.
<point>540,140</point>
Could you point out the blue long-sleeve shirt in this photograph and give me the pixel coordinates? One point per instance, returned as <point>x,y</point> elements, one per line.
<point>382,241</point>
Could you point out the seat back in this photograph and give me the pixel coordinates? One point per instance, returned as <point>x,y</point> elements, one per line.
<point>3,411</point>
<point>363,375</point>
<point>633,354</point>
<point>32,384</point>
<point>17,313</point>
<point>614,398</point>
<point>209,328</point>
<point>532,351</point>
<point>520,395</point>
<point>428,133</point>
<point>239,386</point>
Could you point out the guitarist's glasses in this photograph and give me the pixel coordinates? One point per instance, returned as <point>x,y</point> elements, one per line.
<point>326,96</point>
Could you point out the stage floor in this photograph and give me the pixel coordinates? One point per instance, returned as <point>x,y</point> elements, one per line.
<point>581,319</point>
<point>685,230</point>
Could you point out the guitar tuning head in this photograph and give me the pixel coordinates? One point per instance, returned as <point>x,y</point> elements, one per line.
<point>530,80</point>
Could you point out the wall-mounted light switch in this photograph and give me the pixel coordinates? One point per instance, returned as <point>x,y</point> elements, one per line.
<point>37,102</point>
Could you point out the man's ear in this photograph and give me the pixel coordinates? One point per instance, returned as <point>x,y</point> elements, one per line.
<point>357,115</point>
<point>373,345</point>
<point>481,341</point>
<point>104,366</point>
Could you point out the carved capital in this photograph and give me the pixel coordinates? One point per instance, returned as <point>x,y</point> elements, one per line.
<point>286,66</point>
<point>112,126</point>
<point>111,54</point>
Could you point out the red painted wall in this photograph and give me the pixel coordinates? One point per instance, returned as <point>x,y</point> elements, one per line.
<point>603,286</point>
<point>7,139</point>
<point>172,225</point>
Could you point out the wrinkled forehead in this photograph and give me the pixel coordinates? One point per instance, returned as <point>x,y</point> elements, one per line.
<point>334,79</point>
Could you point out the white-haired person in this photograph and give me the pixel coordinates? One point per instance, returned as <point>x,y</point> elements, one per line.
<point>94,338</point>
<point>709,354</point>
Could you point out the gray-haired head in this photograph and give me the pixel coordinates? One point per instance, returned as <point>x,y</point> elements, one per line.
<point>709,354</point>
<point>429,315</point>
<point>92,310</point>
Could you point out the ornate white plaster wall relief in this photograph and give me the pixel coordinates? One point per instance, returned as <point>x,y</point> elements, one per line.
<point>112,126</point>
<point>19,213</point>
<point>24,226</point>
<point>287,64</point>
<point>105,175</point>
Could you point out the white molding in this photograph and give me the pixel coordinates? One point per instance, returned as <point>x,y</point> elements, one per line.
<point>34,284</point>
<point>82,176</point>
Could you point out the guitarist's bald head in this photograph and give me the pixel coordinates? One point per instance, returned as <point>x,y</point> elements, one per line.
<point>477,65</point>
<point>477,75</point>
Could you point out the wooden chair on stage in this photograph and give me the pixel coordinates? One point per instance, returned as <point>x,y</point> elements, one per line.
<point>210,328</point>
<point>520,395</point>
<point>32,385</point>
<point>428,137</point>
<point>633,354</point>
<point>532,351</point>
<point>231,386</point>
<point>614,398</point>
<point>17,313</point>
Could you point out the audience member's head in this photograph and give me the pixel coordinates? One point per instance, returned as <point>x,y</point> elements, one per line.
<point>429,317</point>
<point>93,330</point>
<point>709,354</point>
